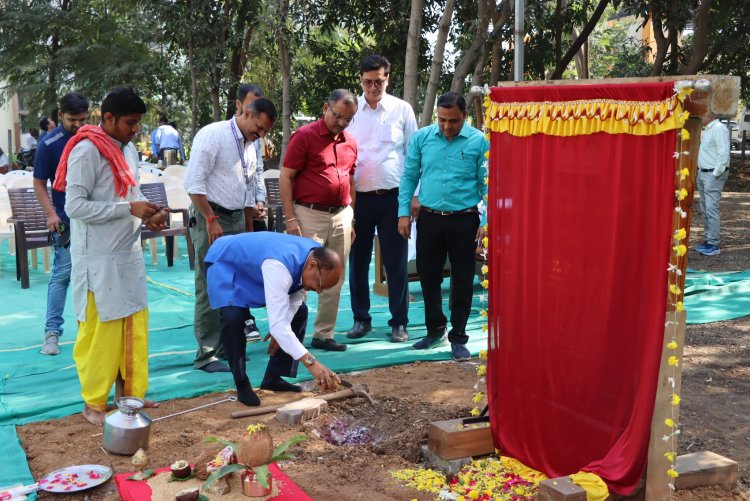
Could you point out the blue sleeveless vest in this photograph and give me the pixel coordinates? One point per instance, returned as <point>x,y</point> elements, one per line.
<point>233,266</point>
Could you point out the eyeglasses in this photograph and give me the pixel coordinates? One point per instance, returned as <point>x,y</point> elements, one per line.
<point>341,118</point>
<point>376,83</point>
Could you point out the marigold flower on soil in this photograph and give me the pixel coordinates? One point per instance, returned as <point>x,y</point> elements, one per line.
<point>672,473</point>
<point>673,361</point>
<point>672,345</point>
<point>675,399</point>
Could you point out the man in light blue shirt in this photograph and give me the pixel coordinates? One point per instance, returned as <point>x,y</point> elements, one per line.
<point>155,137</point>
<point>447,161</point>
<point>713,162</point>
<point>167,138</point>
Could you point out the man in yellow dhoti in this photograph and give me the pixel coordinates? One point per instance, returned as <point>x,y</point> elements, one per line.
<point>108,275</point>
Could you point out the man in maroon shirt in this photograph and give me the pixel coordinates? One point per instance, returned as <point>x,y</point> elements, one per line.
<point>317,190</point>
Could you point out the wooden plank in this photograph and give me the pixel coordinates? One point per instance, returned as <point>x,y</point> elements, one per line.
<point>452,439</point>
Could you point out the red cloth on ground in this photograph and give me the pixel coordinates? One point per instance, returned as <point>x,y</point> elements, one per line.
<point>138,490</point>
<point>580,232</point>
<point>323,164</point>
<point>109,150</point>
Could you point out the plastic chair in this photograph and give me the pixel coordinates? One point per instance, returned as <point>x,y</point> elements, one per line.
<point>30,230</point>
<point>157,194</point>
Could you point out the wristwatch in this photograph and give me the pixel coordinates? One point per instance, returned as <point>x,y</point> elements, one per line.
<point>309,360</point>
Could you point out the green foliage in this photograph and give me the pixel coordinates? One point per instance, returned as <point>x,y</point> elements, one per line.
<point>614,54</point>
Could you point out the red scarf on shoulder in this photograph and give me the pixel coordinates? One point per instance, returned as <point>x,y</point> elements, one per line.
<point>109,150</point>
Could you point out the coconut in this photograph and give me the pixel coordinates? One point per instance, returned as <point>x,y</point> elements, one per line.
<point>189,494</point>
<point>201,463</point>
<point>255,448</point>
<point>181,469</point>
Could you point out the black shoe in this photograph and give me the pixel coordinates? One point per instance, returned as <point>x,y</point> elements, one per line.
<point>246,395</point>
<point>275,383</point>
<point>215,366</point>
<point>359,330</point>
<point>327,344</point>
<point>399,334</point>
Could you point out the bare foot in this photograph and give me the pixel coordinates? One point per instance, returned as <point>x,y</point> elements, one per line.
<point>94,417</point>
<point>150,404</point>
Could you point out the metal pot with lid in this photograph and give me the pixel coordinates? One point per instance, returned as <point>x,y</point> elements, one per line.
<point>127,429</point>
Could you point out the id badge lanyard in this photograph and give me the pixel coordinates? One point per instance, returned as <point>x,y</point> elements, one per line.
<point>240,151</point>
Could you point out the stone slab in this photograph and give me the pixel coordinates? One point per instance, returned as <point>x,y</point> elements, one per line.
<point>704,468</point>
<point>560,489</point>
<point>301,410</point>
<point>448,466</point>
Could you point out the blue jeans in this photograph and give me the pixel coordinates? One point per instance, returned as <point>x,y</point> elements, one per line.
<point>57,290</point>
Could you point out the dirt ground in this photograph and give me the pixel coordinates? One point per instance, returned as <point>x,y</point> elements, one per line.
<point>715,408</point>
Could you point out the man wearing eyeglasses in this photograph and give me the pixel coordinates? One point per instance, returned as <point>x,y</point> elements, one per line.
<point>221,181</point>
<point>253,270</point>
<point>317,190</point>
<point>382,127</point>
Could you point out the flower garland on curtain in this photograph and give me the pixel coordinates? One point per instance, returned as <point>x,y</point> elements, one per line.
<point>682,172</point>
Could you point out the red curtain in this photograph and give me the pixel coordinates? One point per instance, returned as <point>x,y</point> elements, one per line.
<point>580,232</point>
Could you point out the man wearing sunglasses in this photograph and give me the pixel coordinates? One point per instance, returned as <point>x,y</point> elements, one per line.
<point>382,127</point>
<point>317,190</point>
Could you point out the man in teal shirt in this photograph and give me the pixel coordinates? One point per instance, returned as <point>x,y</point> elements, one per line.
<point>447,161</point>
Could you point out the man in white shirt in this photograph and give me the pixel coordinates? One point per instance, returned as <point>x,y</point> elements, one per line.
<point>713,163</point>
<point>253,270</point>
<point>382,127</point>
<point>221,180</point>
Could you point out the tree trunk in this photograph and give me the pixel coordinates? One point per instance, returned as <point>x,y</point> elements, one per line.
<point>495,68</point>
<point>438,57</point>
<point>411,63</point>
<point>238,59</point>
<point>469,57</point>
<point>558,27</point>
<point>661,44</point>
<point>587,29</point>
<point>193,80</point>
<point>700,40</point>
<point>286,76</point>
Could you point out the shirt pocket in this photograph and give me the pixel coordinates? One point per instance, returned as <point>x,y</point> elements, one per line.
<point>391,134</point>
<point>462,166</point>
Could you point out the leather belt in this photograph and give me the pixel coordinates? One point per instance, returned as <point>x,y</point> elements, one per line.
<point>711,170</point>
<point>378,192</point>
<point>331,209</point>
<point>223,210</point>
<point>450,212</point>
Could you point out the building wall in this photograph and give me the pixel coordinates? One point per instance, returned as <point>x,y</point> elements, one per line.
<point>9,122</point>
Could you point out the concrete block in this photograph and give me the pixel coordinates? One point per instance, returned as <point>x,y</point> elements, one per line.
<point>448,466</point>
<point>560,489</point>
<point>301,410</point>
<point>705,468</point>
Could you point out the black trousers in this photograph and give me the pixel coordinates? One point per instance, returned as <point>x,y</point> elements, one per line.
<point>378,211</point>
<point>233,339</point>
<point>454,237</point>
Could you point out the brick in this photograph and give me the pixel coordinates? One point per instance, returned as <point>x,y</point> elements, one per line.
<point>301,410</point>
<point>560,489</point>
<point>704,468</point>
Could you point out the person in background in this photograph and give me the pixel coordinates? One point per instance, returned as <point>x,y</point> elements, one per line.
<point>221,180</point>
<point>382,127</point>
<point>317,190</point>
<point>154,141</point>
<point>73,114</point>
<point>98,172</point>
<point>4,162</point>
<point>46,125</point>
<point>252,270</point>
<point>167,138</point>
<point>246,94</point>
<point>713,171</point>
<point>447,160</point>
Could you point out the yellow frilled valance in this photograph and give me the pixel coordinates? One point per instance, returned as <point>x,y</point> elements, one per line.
<point>575,118</point>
